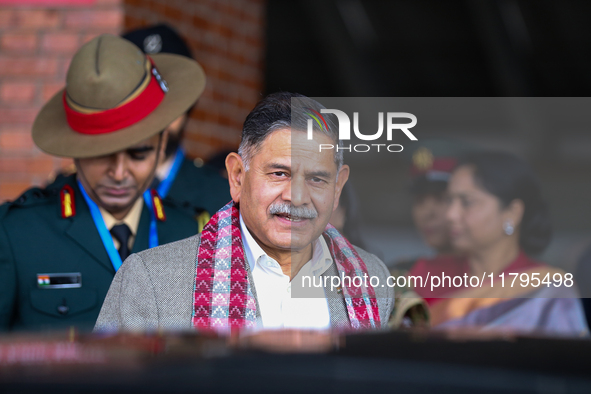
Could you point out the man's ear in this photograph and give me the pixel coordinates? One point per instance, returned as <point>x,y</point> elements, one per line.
<point>341,180</point>
<point>163,142</point>
<point>236,172</point>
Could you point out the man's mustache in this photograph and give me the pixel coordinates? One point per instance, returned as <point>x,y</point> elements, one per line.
<point>293,211</point>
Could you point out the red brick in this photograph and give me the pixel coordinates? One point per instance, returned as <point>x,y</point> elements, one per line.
<point>88,37</point>
<point>60,42</point>
<point>254,42</point>
<point>207,116</point>
<point>173,12</point>
<point>16,140</point>
<point>39,165</point>
<point>42,165</point>
<point>225,76</point>
<point>202,23</point>
<point>50,89</point>
<point>249,97</point>
<point>18,42</point>
<point>17,92</point>
<point>37,19</point>
<point>134,2</point>
<point>108,2</point>
<point>229,121</point>
<point>201,149</point>
<point>12,165</point>
<point>90,19</point>
<point>132,23</point>
<point>6,18</point>
<point>10,190</point>
<point>64,65</point>
<point>27,66</point>
<point>253,12</point>
<point>157,7</point>
<point>18,115</point>
<point>211,140</point>
<point>227,9</point>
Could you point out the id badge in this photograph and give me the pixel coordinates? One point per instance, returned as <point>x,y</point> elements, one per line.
<point>59,281</point>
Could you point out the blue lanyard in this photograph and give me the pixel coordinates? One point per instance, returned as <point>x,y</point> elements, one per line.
<point>164,186</point>
<point>106,235</point>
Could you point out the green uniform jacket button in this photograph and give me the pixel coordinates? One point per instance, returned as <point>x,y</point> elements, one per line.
<point>63,309</point>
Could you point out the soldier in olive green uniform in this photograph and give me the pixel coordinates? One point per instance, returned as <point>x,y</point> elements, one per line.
<point>61,246</point>
<point>35,240</point>
<point>179,178</point>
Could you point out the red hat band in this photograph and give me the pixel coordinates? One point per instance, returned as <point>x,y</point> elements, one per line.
<point>439,164</point>
<point>140,104</point>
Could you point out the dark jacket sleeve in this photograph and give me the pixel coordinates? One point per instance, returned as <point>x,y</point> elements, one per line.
<point>8,281</point>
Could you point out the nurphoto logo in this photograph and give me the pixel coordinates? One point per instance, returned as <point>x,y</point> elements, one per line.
<point>392,124</point>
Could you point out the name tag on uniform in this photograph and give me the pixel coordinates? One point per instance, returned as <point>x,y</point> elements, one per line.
<point>59,281</point>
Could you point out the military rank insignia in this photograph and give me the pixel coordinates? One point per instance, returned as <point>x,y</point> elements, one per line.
<point>68,205</point>
<point>423,159</point>
<point>157,206</point>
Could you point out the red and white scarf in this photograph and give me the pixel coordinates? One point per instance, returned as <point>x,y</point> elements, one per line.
<point>224,300</point>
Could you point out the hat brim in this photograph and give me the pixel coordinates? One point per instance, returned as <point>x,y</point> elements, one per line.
<point>53,135</point>
<point>423,186</point>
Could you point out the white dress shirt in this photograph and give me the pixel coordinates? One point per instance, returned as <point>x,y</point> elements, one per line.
<point>273,288</point>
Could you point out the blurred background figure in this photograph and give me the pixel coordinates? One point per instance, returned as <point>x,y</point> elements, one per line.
<point>178,177</point>
<point>498,220</point>
<point>347,217</point>
<point>583,279</point>
<point>431,165</point>
<point>430,176</point>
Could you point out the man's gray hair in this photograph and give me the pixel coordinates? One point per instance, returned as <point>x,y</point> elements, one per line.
<point>286,110</point>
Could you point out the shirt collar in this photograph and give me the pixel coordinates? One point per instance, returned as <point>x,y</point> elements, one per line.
<point>252,249</point>
<point>321,258</point>
<point>132,219</point>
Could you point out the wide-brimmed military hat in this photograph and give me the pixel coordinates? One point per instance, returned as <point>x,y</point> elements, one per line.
<point>116,97</point>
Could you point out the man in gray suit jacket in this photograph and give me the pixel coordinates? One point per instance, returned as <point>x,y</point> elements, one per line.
<point>269,259</point>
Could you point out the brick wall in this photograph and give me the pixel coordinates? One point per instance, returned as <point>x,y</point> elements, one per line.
<point>36,45</point>
<point>226,38</point>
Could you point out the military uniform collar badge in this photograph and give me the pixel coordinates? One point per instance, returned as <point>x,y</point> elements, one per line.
<point>67,202</point>
<point>157,206</point>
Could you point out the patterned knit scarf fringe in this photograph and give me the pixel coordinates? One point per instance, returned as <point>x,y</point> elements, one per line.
<point>224,300</point>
